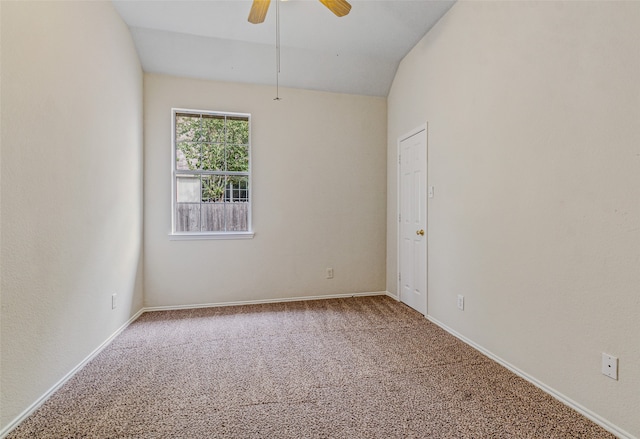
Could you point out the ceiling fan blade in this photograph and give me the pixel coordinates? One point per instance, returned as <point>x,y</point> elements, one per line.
<point>338,7</point>
<point>258,11</point>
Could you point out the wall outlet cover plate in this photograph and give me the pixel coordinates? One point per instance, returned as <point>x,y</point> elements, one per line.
<point>610,366</point>
<point>460,302</point>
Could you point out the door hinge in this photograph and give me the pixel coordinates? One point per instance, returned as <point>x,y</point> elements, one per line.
<point>399,217</point>
<point>399,159</point>
<point>399,277</point>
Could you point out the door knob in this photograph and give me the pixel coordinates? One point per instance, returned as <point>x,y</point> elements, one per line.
<point>420,232</point>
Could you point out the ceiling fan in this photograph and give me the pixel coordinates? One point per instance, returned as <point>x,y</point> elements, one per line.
<point>259,9</point>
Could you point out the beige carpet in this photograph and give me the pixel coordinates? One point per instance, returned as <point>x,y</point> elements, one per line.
<point>365,367</point>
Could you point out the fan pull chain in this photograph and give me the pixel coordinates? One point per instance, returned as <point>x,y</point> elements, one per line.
<point>277,98</point>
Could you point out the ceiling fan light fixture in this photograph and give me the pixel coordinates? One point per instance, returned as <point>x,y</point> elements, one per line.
<point>259,9</point>
<point>258,13</point>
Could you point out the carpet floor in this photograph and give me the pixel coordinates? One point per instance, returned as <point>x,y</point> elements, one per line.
<point>366,367</point>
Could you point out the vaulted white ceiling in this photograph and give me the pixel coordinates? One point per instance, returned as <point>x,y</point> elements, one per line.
<point>212,39</point>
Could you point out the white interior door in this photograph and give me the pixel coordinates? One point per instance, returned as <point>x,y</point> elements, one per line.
<point>413,221</point>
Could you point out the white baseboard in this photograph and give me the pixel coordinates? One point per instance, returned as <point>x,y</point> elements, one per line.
<point>261,301</point>
<point>611,428</point>
<point>29,410</point>
<point>392,295</point>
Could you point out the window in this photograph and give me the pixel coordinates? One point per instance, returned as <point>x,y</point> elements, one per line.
<point>211,188</point>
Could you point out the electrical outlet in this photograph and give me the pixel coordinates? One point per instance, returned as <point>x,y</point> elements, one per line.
<point>329,273</point>
<point>610,366</point>
<point>461,302</point>
<point>114,300</point>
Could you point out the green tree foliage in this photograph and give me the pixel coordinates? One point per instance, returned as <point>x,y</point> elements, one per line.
<point>213,143</point>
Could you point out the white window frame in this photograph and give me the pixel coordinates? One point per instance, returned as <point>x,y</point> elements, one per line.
<point>174,235</point>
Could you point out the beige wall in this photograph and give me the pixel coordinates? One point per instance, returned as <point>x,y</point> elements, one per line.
<point>71,190</point>
<point>319,184</point>
<point>534,152</point>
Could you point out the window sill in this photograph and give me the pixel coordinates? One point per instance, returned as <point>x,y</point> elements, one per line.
<point>198,236</point>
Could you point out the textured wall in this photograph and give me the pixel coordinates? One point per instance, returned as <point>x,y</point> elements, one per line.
<point>534,152</point>
<point>319,176</point>
<point>71,190</point>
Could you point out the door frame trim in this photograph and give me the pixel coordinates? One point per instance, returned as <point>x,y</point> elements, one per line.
<point>413,132</point>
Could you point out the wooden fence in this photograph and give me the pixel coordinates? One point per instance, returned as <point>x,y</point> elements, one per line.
<point>212,217</point>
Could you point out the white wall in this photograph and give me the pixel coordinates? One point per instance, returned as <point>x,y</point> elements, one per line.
<point>71,190</point>
<point>319,184</point>
<point>534,152</point>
